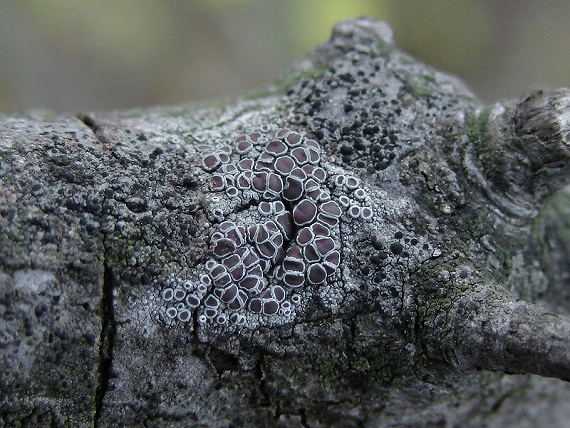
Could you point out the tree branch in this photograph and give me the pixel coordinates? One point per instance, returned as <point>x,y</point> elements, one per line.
<point>492,332</point>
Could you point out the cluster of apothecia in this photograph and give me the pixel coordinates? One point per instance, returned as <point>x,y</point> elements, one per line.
<point>285,242</point>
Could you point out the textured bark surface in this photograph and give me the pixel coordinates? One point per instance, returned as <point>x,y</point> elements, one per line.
<point>362,244</point>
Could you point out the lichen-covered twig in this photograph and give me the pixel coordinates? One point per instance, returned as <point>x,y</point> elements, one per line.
<point>491,331</point>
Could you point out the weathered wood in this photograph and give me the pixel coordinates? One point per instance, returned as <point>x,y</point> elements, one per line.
<point>171,267</point>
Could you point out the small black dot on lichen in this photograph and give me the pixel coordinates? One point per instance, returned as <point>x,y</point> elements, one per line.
<point>396,248</point>
<point>376,259</point>
<point>190,182</point>
<point>377,244</point>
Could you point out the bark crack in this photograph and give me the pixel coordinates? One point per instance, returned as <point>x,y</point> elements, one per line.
<point>106,343</point>
<point>259,374</point>
<point>106,311</point>
<point>90,123</point>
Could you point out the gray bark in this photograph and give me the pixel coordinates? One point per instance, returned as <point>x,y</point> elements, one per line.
<point>436,296</point>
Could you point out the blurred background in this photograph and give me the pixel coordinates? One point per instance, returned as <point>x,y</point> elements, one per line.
<point>79,55</point>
